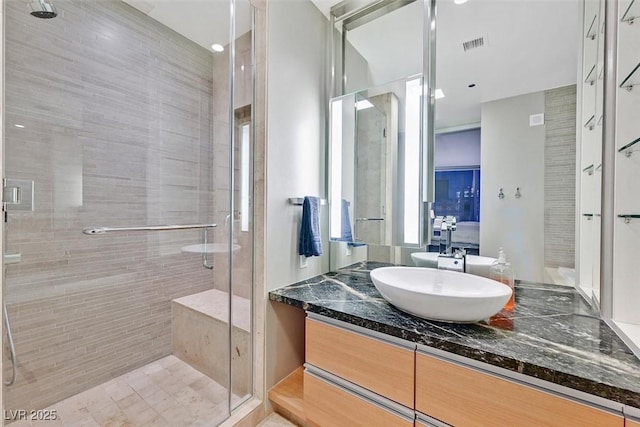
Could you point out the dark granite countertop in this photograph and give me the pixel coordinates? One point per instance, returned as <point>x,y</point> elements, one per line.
<point>552,335</point>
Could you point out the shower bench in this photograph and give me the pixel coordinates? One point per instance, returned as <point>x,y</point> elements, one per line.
<point>200,335</point>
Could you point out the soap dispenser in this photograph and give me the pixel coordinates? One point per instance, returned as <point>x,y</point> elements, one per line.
<point>501,271</point>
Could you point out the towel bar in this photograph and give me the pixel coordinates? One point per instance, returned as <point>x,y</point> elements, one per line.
<point>297,201</point>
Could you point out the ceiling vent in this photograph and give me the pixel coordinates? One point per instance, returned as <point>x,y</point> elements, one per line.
<point>473,44</point>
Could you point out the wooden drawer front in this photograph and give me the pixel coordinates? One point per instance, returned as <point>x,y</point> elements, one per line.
<point>425,421</point>
<point>327,405</point>
<point>461,396</point>
<point>631,423</point>
<point>375,365</point>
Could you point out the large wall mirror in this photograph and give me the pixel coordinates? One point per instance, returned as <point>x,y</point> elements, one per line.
<point>506,101</point>
<point>505,154</point>
<point>379,133</point>
<point>375,150</point>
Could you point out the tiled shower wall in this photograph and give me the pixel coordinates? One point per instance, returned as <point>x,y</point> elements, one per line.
<point>117,113</point>
<point>560,177</point>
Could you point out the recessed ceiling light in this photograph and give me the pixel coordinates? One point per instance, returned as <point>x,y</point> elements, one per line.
<point>460,1</point>
<point>363,105</point>
<point>217,47</point>
<point>19,126</point>
<point>439,94</point>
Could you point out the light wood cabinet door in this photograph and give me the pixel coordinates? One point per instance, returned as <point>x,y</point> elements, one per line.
<point>383,368</point>
<point>631,423</point>
<point>326,405</point>
<point>462,396</point>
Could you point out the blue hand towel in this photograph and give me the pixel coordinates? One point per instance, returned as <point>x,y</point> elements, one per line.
<point>346,235</point>
<point>310,239</point>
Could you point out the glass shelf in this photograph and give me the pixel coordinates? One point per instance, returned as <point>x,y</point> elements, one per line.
<point>588,169</point>
<point>628,82</point>
<point>600,120</point>
<point>591,122</point>
<point>627,148</point>
<point>591,76</point>
<point>601,73</point>
<point>591,32</point>
<point>632,12</point>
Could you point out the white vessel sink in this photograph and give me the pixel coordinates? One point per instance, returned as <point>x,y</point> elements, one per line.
<point>478,265</point>
<point>210,248</point>
<point>447,296</point>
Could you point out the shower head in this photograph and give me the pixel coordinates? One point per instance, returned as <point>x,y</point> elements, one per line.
<point>43,9</point>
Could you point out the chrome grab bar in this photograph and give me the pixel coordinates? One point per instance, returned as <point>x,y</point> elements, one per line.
<point>205,260</point>
<point>12,347</point>
<point>103,230</point>
<point>204,227</point>
<point>369,219</point>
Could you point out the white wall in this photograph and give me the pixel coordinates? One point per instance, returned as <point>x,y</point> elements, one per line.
<point>296,62</point>
<point>513,156</point>
<point>296,79</point>
<point>457,149</point>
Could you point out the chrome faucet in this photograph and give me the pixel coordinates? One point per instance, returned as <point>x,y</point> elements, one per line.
<point>446,230</point>
<point>448,259</point>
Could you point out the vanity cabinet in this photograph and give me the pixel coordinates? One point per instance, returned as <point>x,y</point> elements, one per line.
<point>354,377</point>
<point>483,399</point>
<point>631,423</point>
<point>329,404</point>
<point>384,368</point>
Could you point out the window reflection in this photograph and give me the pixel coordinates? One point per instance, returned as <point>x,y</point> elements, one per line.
<point>458,194</point>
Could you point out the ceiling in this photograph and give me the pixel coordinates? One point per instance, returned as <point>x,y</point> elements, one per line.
<point>530,45</point>
<point>203,21</point>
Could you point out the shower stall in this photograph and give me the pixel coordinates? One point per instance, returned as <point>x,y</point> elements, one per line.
<point>128,222</point>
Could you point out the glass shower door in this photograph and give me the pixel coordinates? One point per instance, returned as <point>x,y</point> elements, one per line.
<point>114,126</point>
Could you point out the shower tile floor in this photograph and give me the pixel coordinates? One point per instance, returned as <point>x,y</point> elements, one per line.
<point>167,392</point>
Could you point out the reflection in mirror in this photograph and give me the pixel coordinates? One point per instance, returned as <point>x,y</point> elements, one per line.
<point>375,165</point>
<point>507,126</point>
<point>590,158</point>
<point>506,72</point>
<point>371,177</point>
<point>377,134</point>
<point>378,47</point>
